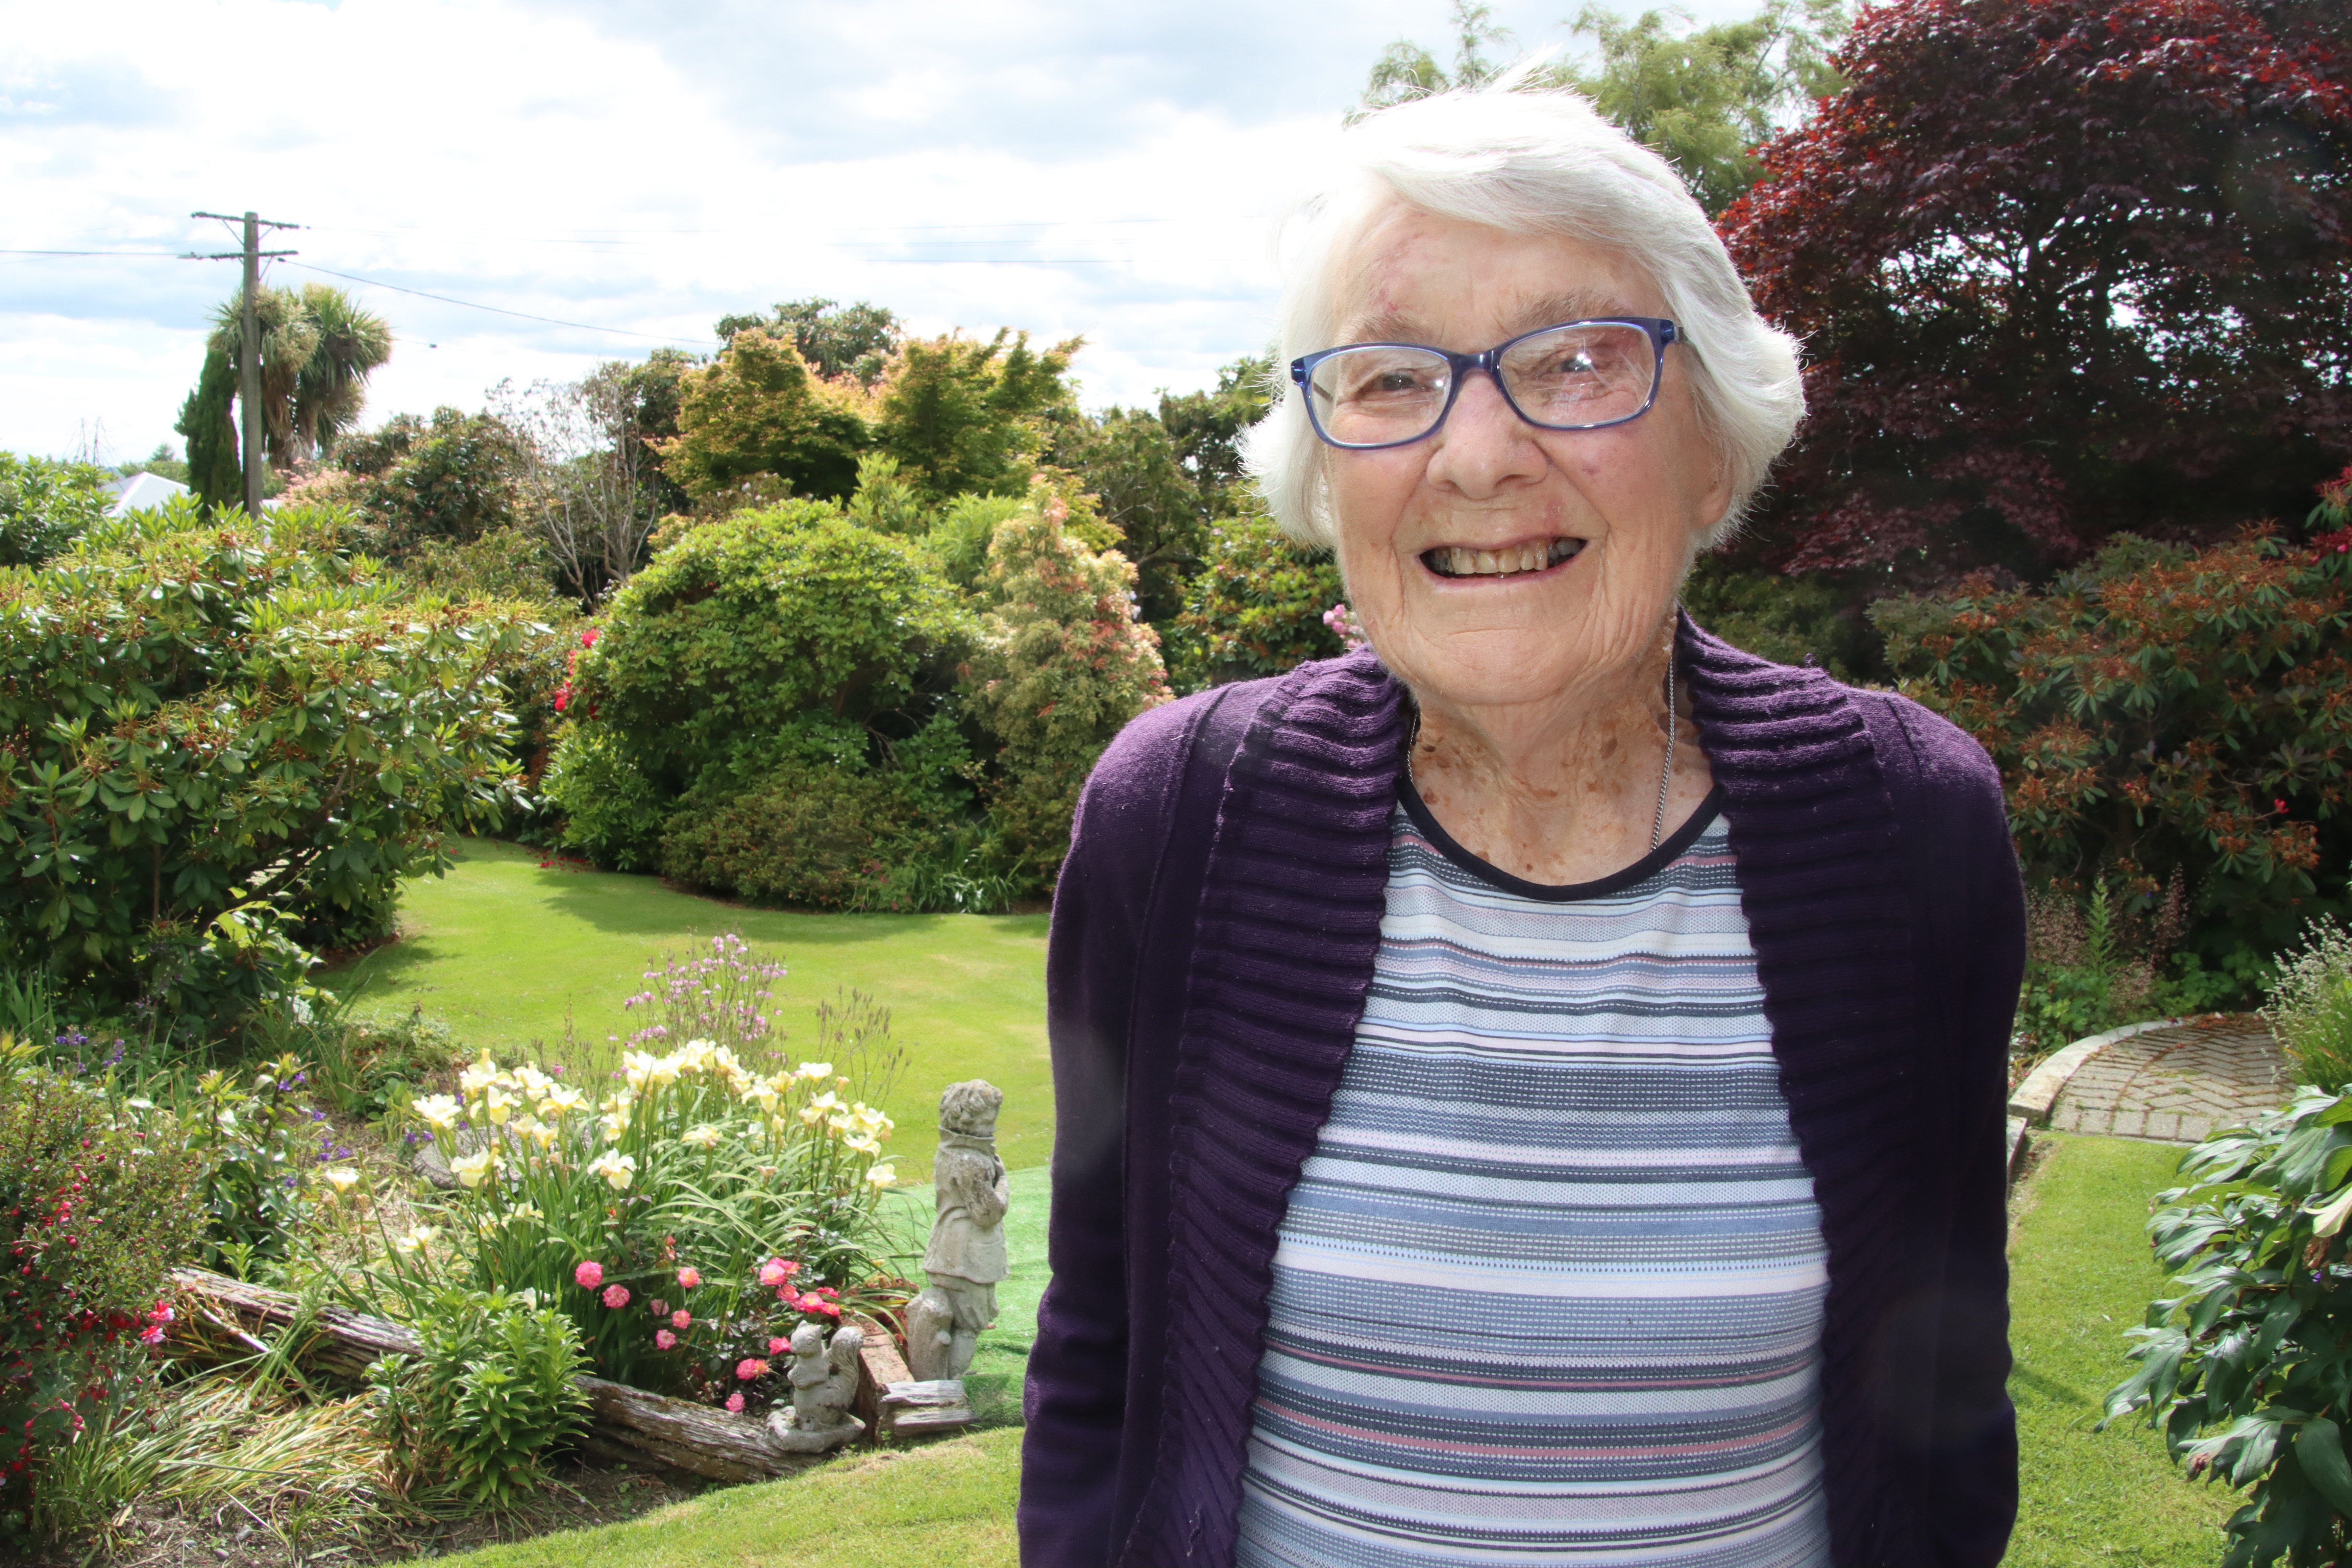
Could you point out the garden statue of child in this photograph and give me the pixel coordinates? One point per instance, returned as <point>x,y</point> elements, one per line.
<point>825,1385</point>
<point>966,1257</point>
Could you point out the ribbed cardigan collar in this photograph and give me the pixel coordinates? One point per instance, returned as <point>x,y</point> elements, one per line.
<point>1283,954</point>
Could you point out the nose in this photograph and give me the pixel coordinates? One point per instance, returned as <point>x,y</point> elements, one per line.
<point>1483,446</point>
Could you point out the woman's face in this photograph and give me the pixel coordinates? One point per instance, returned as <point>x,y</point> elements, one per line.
<point>1623,505</point>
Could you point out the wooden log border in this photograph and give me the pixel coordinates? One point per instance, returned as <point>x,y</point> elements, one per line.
<point>624,1423</point>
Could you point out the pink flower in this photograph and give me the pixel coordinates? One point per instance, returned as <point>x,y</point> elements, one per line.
<point>775,1271</point>
<point>153,1334</point>
<point>664,1339</point>
<point>588,637</point>
<point>589,1275</point>
<point>682,1318</point>
<point>616,1296</point>
<point>778,1346</point>
<point>735,1402</point>
<point>749,1368</point>
<point>687,1278</point>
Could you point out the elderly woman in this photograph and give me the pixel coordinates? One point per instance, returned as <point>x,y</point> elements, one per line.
<point>1531,1091</point>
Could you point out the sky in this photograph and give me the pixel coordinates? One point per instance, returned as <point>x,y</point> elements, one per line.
<point>627,174</point>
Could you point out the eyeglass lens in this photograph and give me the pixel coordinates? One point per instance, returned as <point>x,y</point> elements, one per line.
<point>1572,377</point>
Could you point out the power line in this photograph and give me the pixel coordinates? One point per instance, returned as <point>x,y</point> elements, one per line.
<point>498,310</point>
<point>169,253</point>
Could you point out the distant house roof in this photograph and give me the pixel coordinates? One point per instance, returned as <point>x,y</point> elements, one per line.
<point>135,492</point>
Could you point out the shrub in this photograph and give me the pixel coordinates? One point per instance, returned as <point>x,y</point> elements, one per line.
<point>2308,1004</point>
<point>612,814</point>
<point>963,417</point>
<point>818,836</point>
<point>2160,710</point>
<point>472,1416</point>
<point>45,506</point>
<point>94,1211</point>
<point>1788,620</point>
<point>1256,608</point>
<point>209,731</point>
<point>452,477</point>
<point>2248,1371</point>
<point>1064,666</point>
<point>757,410</point>
<point>261,1143</point>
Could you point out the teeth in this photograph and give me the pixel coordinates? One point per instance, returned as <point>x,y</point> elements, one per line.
<point>1456,561</point>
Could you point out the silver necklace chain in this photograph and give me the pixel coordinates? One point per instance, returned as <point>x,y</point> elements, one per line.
<point>1665,774</point>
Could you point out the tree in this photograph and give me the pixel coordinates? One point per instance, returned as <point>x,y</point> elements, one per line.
<point>318,350</point>
<point>1063,666</point>
<point>2064,268</point>
<point>577,455</point>
<point>835,339</point>
<point>962,415</point>
<point>1705,97</point>
<point>759,410</point>
<point>1405,70</point>
<point>452,477</point>
<point>214,470</point>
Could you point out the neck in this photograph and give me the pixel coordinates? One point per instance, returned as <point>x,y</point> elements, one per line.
<point>1565,790</point>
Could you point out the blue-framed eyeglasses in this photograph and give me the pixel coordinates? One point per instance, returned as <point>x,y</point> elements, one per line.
<point>1578,376</point>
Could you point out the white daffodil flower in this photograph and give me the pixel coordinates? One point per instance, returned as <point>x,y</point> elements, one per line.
<point>473,1170</point>
<point>440,1112</point>
<point>617,1169</point>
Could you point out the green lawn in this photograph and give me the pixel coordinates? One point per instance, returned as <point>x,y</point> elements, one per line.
<point>505,952</point>
<point>2080,1275</point>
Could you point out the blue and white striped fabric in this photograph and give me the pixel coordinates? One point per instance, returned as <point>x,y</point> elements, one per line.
<point>1549,1288</point>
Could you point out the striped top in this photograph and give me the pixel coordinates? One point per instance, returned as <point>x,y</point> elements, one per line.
<point>1551,1287</point>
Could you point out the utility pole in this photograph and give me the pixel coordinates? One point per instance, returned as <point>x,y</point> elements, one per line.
<point>248,388</point>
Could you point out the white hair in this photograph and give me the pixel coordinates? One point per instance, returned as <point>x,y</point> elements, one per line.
<point>1528,162</point>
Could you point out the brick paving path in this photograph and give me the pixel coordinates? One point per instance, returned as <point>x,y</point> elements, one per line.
<point>2177,1085</point>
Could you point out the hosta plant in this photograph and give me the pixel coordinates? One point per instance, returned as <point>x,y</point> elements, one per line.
<point>2248,1371</point>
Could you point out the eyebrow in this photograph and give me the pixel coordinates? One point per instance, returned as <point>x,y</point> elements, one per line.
<point>1541,310</point>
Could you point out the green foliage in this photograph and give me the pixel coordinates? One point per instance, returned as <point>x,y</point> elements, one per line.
<point>2159,710</point>
<point>961,532</point>
<point>212,730</point>
<point>613,812</point>
<point>1788,620</point>
<point>472,1414</point>
<point>45,506</point>
<point>835,339</point>
<point>966,416</point>
<point>95,1209</point>
<point>318,350</point>
<point>1130,461</point>
<point>2088,970</point>
<point>2247,1371</point>
<point>792,622</point>
<point>2308,1004</point>
<point>1703,98</point>
<point>260,1139</point>
<point>452,477</point>
<point>1257,609</point>
<point>758,409</point>
<point>163,462</point>
<point>1064,666</point>
<point>208,419</point>
<point>1405,70</point>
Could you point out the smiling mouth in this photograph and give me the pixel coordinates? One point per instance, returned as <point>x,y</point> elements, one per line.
<point>1454,560</point>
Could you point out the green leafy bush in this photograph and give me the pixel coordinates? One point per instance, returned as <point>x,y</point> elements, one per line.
<point>2309,1005</point>
<point>804,834</point>
<point>474,1414</point>
<point>452,477</point>
<point>1064,665</point>
<point>210,732</point>
<point>1256,608</point>
<point>95,1208</point>
<point>758,411</point>
<point>2158,711</point>
<point>45,506</point>
<point>260,1142</point>
<point>2248,1371</point>
<point>1774,615</point>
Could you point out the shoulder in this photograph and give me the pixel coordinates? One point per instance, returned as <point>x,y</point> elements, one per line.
<point>1933,767</point>
<point>1133,786</point>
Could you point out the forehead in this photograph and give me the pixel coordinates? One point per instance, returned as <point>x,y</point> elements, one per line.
<point>1415,276</point>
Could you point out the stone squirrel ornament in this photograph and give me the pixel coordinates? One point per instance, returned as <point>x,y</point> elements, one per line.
<point>966,1256</point>
<point>823,1378</point>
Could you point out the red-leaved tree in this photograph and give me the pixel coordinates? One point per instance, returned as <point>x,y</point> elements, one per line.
<point>2063,267</point>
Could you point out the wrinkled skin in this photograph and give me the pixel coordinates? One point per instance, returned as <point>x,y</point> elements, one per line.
<point>1542,691</point>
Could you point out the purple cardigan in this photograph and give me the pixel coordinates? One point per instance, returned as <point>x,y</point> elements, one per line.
<point>1213,936</point>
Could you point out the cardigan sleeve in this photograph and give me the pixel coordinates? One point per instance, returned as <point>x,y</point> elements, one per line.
<point>1075,1401</point>
<point>1953,1416</point>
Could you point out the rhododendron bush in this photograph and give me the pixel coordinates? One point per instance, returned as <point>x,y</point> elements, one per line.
<point>94,1210</point>
<point>2162,709</point>
<point>685,1213</point>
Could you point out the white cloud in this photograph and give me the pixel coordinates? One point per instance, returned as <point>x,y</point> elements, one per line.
<point>1063,166</point>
